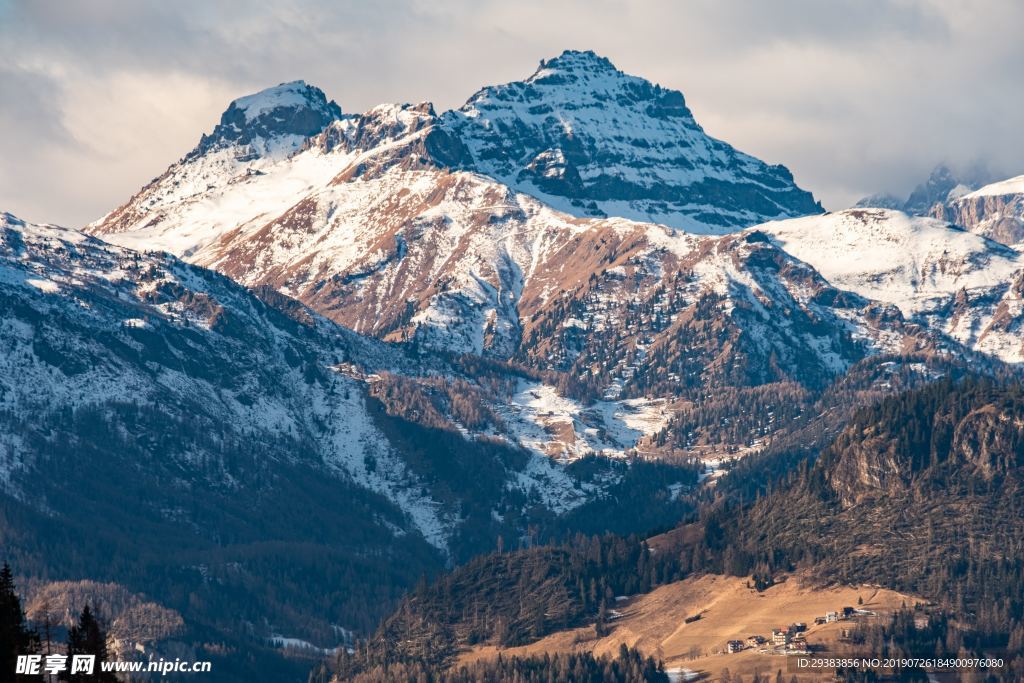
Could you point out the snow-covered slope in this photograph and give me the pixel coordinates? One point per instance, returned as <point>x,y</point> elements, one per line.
<point>1003,187</point>
<point>202,197</point>
<point>668,314</point>
<point>257,134</point>
<point>88,325</point>
<point>913,262</point>
<point>951,280</point>
<point>591,140</point>
<point>992,209</point>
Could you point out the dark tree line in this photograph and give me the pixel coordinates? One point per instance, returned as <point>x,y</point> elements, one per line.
<point>19,638</point>
<point>16,636</point>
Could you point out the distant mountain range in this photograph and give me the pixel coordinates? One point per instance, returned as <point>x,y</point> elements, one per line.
<point>975,201</point>
<point>465,232</point>
<point>361,347</point>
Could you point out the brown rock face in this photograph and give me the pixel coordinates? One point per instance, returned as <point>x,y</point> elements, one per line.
<point>902,446</point>
<point>991,439</point>
<point>998,217</point>
<point>872,466</point>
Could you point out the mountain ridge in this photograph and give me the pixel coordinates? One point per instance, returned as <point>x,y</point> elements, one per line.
<point>558,134</point>
<point>973,200</point>
<point>666,105</point>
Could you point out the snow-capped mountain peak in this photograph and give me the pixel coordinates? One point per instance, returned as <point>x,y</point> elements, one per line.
<point>572,60</point>
<point>578,67</point>
<point>936,189</point>
<point>257,134</point>
<point>276,119</point>
<point>591,140</point>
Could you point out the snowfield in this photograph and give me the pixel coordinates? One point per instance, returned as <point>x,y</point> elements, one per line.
<point>559,427</point>
<point>914,263</point>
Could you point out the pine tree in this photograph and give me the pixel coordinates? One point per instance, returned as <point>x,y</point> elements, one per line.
<point>320,674</point>
<point>16,638</point>
<point>88,638</point>
<point>601,627</point>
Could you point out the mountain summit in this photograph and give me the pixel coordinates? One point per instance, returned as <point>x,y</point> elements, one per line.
<point>593,141</point>
<point>579,134</point>
<point>508,228</point>
<point>282,116</point>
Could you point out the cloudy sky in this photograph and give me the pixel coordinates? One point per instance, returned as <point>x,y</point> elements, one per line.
<point>99,96</point>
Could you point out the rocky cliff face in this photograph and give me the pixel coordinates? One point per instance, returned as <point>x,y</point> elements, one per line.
<point>872,466</point>
<point>947,433</point>
<point>593,141</point>
<point>990,439</point>
<point>995,211</point>
<point>275,118</point>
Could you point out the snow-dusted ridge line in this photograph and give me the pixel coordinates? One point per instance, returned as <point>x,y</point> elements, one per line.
<point>953,281</point>
<point>914,263</point>
<point>1009,186</point>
